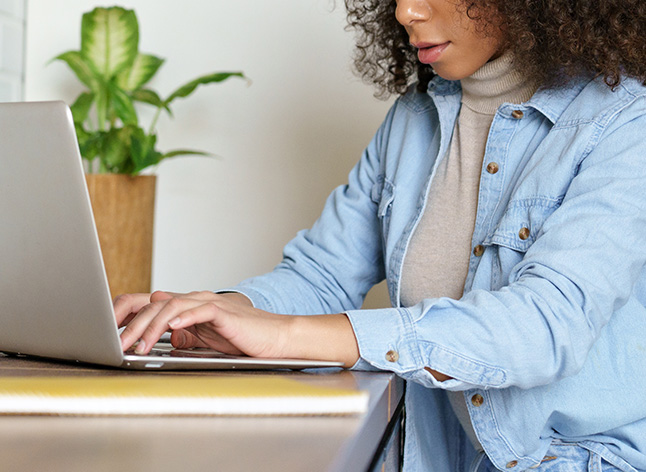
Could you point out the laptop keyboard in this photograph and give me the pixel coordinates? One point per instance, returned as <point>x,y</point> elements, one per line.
<point>162,349</point>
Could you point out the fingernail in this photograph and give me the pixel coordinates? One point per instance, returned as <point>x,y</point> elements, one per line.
<point>174,322</point>
<point>141,347</point>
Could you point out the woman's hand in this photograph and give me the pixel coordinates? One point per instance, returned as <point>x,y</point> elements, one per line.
<point>229,323</point>
<point>219,321</point>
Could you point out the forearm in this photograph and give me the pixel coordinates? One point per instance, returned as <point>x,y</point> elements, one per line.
<point>323,337</point>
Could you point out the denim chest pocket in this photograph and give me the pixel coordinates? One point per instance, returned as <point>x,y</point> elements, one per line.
<point>521,223</point>
<point>514,234</point>
<point>383,194</point>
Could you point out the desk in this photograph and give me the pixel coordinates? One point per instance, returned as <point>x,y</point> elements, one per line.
<point>369,442</point>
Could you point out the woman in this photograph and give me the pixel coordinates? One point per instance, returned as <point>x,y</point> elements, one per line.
<point>503,201</point>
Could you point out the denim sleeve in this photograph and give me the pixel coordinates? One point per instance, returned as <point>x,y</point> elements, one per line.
<point>539,328</point>
<point>330,267</point>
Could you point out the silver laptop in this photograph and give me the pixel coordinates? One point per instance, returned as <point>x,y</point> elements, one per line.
<point>54,295</point>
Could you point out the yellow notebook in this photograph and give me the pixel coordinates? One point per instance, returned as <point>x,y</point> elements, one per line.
<point>181,395</point>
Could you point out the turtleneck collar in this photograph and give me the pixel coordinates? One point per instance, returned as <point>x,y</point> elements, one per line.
<point>495,83</point>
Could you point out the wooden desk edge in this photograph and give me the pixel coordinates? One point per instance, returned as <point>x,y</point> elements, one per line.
<point>386,393</point>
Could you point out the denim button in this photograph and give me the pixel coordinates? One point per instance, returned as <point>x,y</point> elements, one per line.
<point>477,400</point>
<point>392,356</point>
<point>511,464</point>
<point>478,250</point>
<point>517,114</point>
<point>523,233</point>
<point>492,167</point>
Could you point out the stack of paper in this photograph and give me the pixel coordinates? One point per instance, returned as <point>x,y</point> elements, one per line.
<point>175,395</point>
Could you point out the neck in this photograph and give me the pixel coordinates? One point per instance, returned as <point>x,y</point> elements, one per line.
<point>495,83</point>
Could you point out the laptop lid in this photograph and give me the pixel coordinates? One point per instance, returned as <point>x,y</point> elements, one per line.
<point>53,287</point>
<point>54,293</point>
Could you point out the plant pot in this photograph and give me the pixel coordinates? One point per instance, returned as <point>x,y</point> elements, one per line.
<point>123,209</point>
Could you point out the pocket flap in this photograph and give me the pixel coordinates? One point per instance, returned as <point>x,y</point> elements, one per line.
<point>519,226</point>
<point>383,193</point>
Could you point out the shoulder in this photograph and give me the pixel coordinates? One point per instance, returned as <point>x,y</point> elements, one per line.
<point>601,118</point>
<point>633,87</point>
<point>598,104</point>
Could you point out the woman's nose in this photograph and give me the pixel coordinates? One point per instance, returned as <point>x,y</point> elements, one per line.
<point>411,11</point>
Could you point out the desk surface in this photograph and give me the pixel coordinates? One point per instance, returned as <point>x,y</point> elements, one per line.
<point>284,444</point>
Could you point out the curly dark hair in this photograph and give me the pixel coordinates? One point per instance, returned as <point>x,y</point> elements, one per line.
<point>552,41</point>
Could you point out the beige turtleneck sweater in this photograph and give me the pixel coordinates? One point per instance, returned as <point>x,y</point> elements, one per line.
<point>437,260</point>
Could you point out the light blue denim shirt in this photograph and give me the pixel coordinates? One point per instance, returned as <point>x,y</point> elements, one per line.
<point>549,340</point>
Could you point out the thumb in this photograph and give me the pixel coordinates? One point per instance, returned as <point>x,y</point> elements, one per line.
<point>183,339</point>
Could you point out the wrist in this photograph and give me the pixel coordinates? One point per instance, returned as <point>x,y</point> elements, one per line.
<point>323,337</point>
<point>237,297</point>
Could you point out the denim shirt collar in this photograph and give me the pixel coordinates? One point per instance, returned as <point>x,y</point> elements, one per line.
<point>551,102</point>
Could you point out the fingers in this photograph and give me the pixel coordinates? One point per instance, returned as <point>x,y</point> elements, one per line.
<point>233,329</point>
<point>153,319</point>
<point>160,295</point>
<point>149,324</point>
<point>127,307</point>
<point>129,304</point>
<point>198,319</point>
<point>202,295</point>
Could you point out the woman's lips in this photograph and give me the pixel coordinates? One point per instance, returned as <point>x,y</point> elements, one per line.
<point>429,53</point>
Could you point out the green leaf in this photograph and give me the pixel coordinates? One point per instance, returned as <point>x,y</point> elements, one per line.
<point>81,107</point>
<point>83,138</point>
<point>150,97</point>
<point>143,151</point>
<point>90,144</point>
<point>142,70</point>
<point>122,105</point>
<point>186,152</point>
<point>151,158</point>
<point>110,65</point>
<point>102,104</point>
<point>81,133</point>
<point>115,150</point>
<point>80,67</point>
<point>187,89</point>
<point>109,40</point>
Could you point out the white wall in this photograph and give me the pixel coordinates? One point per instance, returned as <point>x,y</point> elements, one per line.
<point>12,13</point>
<point>285,141</point>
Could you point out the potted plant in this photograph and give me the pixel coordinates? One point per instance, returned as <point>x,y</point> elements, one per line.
<point>113,142</point>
